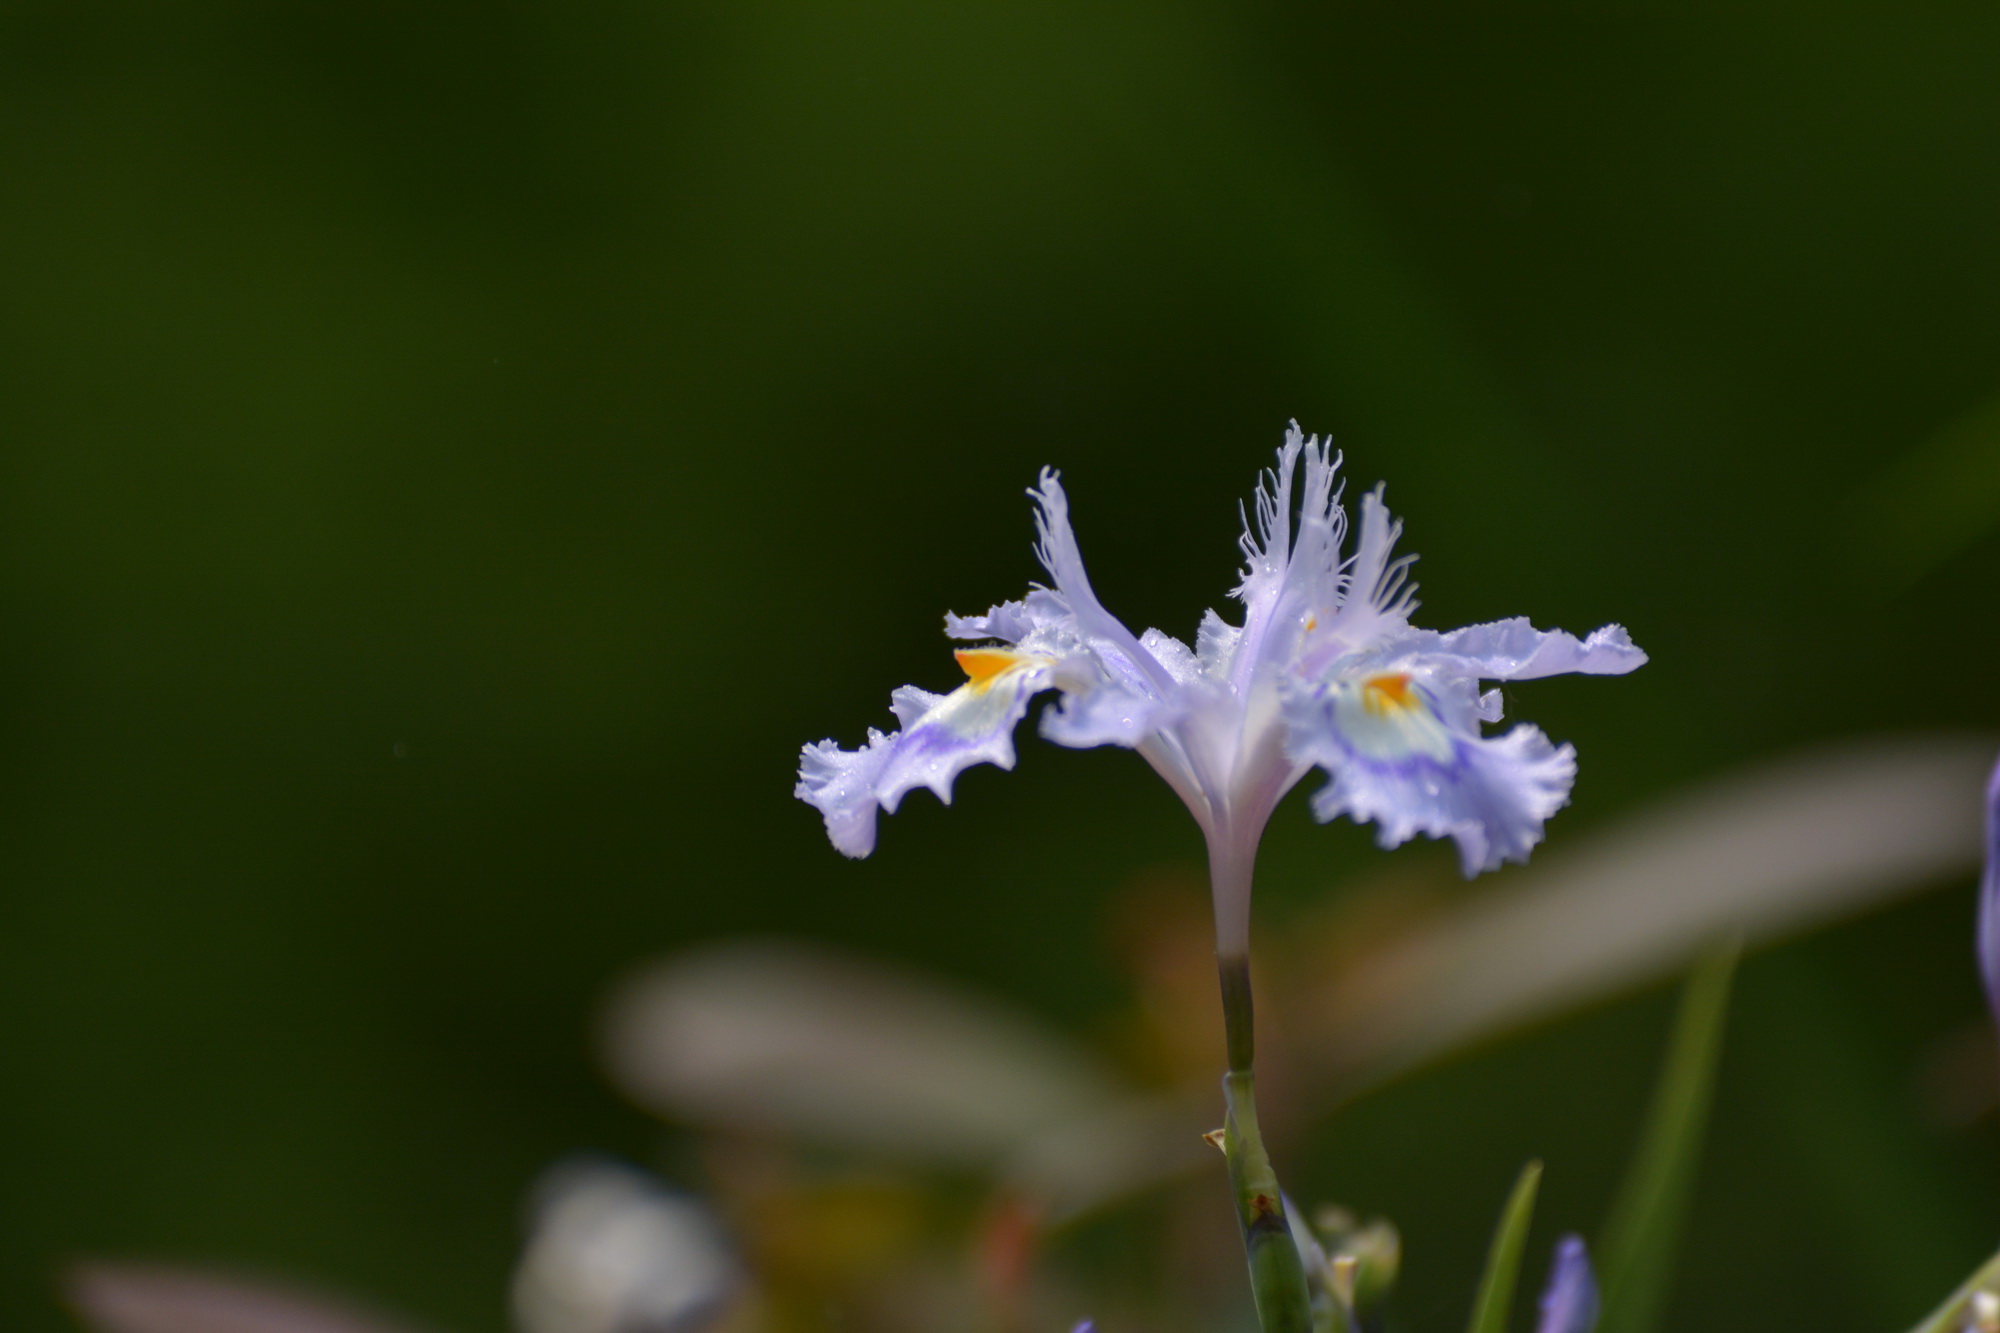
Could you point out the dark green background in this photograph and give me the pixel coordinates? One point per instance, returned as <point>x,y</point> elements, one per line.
<point>454,455</point>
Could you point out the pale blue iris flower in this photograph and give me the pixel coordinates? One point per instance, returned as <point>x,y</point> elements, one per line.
<point>1325,671</point>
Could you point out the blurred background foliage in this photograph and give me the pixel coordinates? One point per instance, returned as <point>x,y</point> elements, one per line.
<point>455,454</point>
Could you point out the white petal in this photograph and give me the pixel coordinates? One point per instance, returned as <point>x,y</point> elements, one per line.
<point>1292,575</point>
<point>909,703</point>
<point>1007,622</point>
<point>1056,547</point>
<point>1105,715</point>
<point>1405,754</point>
<point>1172,654</point>
<point>1299,566</point>
<point>1378,597</point>
<point>1492,800</point>
<point>841,785</point>
<point>973,724</point>
<point>1040,615</point>
<point>1215,645</point>
<point>1514,649</point>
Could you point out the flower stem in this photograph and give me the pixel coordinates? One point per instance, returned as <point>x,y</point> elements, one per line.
<point>1239,1016</point>
<point>1277,1276</point>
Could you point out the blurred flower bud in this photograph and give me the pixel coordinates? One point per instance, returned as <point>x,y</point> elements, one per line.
<point>1332,1222</point>
<point>1377,1251</point>
<point>1362,1260</point>
<point>612,1250</point>
<point>1570,1301</point>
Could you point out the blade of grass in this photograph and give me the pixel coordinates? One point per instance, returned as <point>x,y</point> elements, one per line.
<point>1503,1261</point>
<point>1950,1316</point>
<point>1646,1219</point>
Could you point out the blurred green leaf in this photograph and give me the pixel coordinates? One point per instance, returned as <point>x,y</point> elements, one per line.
<point>1652,1204</point>
<point>1503,1260</point>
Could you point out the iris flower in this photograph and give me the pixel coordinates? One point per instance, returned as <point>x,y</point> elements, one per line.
<point>1324,671</point>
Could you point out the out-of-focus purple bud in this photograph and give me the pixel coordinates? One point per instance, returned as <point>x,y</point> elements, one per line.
<point>1989,899</point>
<point>1085,1326</point>
<point>1569,1302</point>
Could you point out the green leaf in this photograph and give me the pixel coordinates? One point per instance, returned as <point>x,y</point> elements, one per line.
<point>1503,1260</point>
<point>1647,1218</point>
<point>1950,1316</point>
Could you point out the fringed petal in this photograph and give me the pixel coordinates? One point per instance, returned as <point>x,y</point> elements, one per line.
<point>1105,715</point>
<point>1297,567</point>
<point>1042,616</point>
<point>1404,753</point>
<point>1120,651</point>
<point>1215,645</point>
<point>1514,649</point>
<point>841,785</point>
<point>942,735</point>
<point>1180,663</point>
<point>1376,596</point>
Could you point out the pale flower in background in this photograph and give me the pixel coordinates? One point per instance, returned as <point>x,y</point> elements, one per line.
<point>614,1250</point>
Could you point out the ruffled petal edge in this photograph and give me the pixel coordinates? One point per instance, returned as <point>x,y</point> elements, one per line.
<point>941,736</point>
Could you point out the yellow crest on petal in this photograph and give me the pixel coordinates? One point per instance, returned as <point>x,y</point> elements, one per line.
<point>982,665</point>
<point>1388,693</point>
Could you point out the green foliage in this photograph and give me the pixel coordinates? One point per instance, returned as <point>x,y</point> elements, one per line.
<point>1646,1220</point>
<point>1495,1301</point>
<point>455,453</point>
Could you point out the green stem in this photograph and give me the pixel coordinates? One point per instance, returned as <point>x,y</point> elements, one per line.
<point>1277,1276</point>
<point>1239,1019</point>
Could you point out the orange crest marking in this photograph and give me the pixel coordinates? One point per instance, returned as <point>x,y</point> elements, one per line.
<point>1380,694</point>
<point>981,665</point>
